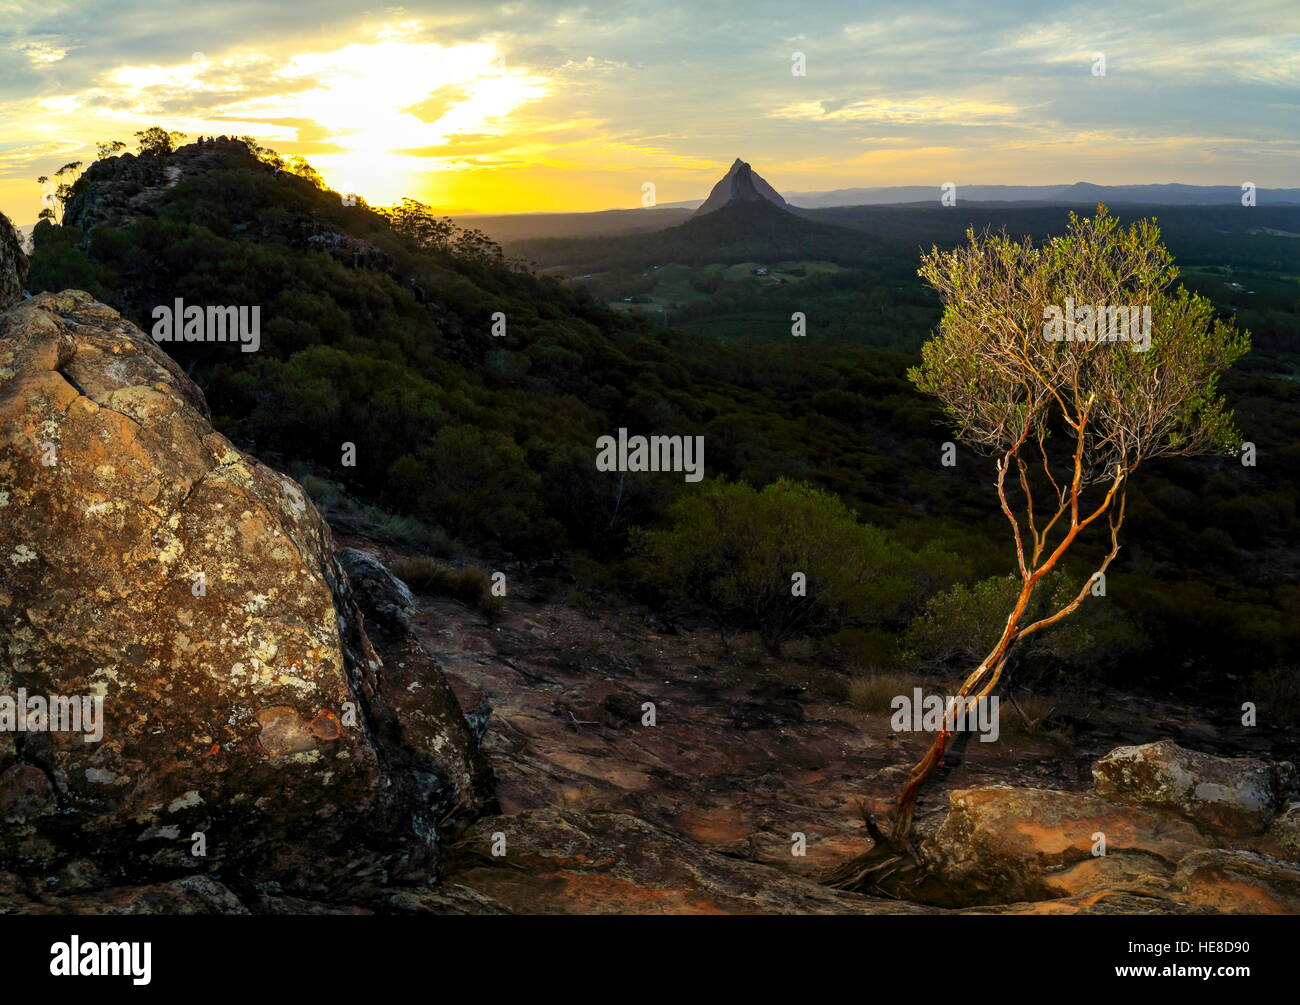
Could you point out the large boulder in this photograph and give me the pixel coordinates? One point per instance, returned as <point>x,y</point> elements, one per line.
<point>13,264</point>
<point>1001,844</point>
<point>1227,795</point>
<point>1187,844</point>
<point>148,564</point>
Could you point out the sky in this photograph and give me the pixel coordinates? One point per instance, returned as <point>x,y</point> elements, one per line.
<point>557,106</point>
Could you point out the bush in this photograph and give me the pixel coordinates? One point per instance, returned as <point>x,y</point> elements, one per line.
<point>470,584</point>
<point>874,692</point>
<point>410,531</point>
<point>862,647</point>
<point>475,482</point>
<point>343,510</point>
<point>736,551</point>
<point>1029,715</point>
<point>1276,693</point>
<point>963,623</point>
<point>325,494</point>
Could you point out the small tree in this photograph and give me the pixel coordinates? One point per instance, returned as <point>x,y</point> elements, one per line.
<point>109,148</point>
<point>67,178</point>
<point>1068,412</point>
<point>264,154</point>
<point>414,220</point>
<point>157,141</point>
<point>300,167</point>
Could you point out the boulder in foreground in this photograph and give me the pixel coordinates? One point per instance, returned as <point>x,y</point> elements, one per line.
<point>190,593</point>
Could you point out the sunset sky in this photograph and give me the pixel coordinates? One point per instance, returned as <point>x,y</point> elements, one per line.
<point>561,106</point>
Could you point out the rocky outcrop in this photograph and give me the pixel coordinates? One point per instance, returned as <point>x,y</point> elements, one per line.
<point>1283,836</point>
<point>13,264</point>
<point>116,190</point>
<point>1233,881</point>
<point>383,597</point>
<point>186,896</point>
<point>1183,838</point>
<point>561,862</point>
<point>236,714</point>
<point>740,184</point>
<point>554,861</point>
<point>1234,796</point>
<point>999,845</point>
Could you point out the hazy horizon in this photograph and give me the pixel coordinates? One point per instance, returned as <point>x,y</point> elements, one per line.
<point>542,107</point>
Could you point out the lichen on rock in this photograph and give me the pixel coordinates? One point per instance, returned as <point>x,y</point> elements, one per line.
<point>150,563</point>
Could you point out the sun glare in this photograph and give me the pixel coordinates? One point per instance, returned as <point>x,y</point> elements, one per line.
<point>378,106</point>
<point>383,118</point>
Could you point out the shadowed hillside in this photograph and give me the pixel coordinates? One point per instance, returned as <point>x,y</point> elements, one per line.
<point>378,332</point>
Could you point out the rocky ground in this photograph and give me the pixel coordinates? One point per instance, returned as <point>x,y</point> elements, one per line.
<point>601,812</point>
<point>287,730</point>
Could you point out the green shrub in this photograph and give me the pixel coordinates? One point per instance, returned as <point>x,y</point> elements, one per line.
<point>325,494</point>
<point>737,551</point>
<point>475,482</point>
<point>1276,693</point>
<point>378,523</point>
<point>963,623</point>
<point>470,585</point>
<point>863,647</point>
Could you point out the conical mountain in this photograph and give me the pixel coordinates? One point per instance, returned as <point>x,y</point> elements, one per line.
<point>741,184</point>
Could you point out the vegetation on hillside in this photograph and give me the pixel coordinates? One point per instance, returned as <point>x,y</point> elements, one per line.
<point>377,331</point>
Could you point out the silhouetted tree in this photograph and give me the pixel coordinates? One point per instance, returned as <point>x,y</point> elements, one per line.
<point>157,141</point>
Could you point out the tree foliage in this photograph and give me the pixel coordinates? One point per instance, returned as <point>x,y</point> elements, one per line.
<point>1062,414</point>
<point>739,552</point>
<point>157,141</point>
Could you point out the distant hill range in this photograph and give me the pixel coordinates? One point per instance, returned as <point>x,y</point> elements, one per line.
<point>738,230</point>
<point>889,238</point>
<point>1081,192</point>
<point>743,185</point>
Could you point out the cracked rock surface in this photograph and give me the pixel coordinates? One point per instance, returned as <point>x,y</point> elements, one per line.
<point>146,562</point>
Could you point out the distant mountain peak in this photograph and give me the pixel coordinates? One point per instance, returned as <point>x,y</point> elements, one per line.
<point>740,184</point>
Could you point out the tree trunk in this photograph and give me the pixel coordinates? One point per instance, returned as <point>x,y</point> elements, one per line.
<point>892,852</point>
<point>975,685</point>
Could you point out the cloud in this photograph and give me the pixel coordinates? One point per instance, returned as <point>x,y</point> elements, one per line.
<point>919,109</point>
<point>464,99</point>
<point>41,52</point>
